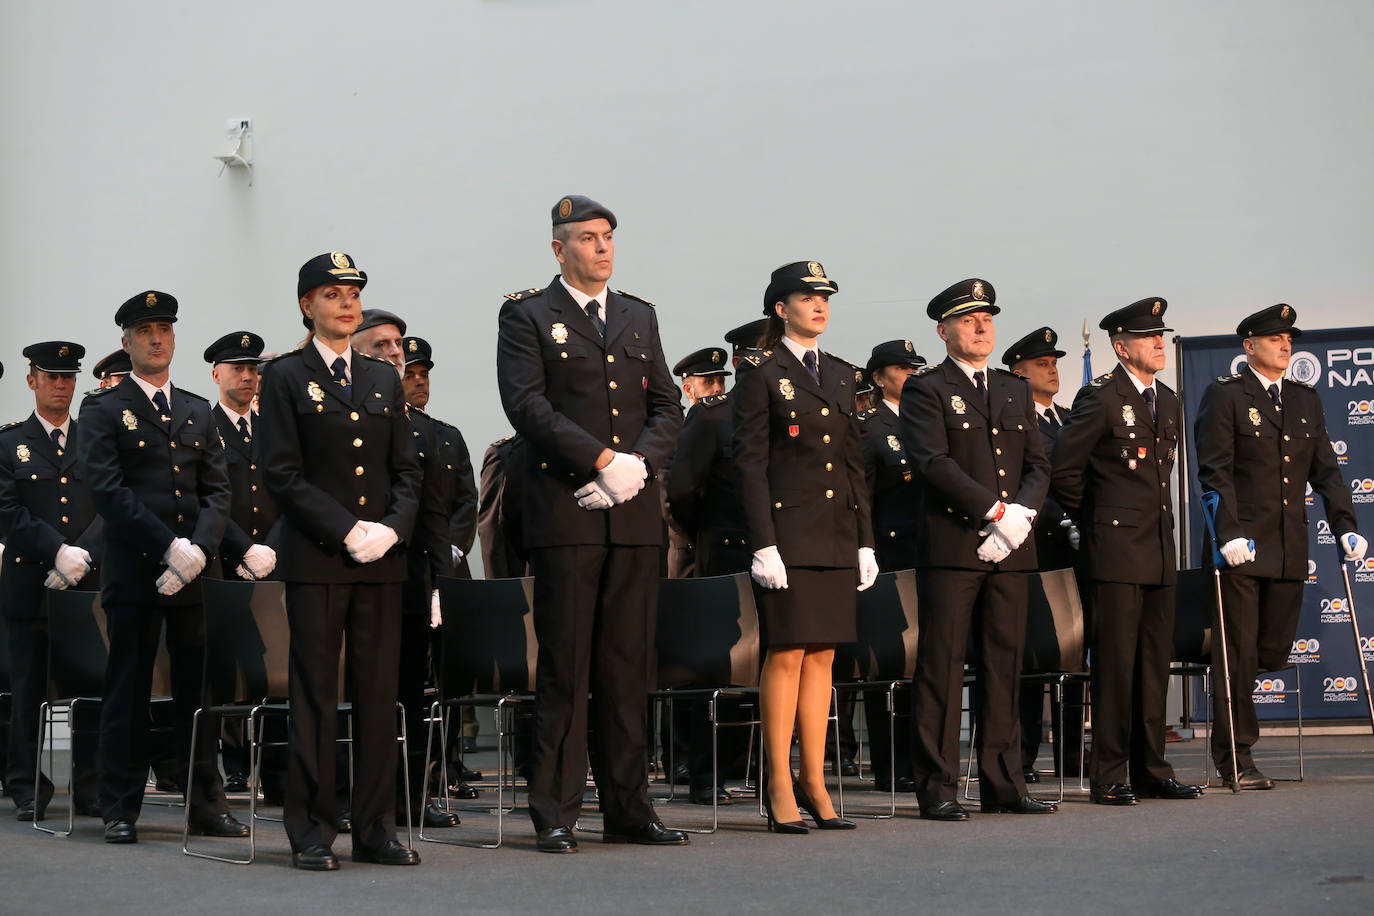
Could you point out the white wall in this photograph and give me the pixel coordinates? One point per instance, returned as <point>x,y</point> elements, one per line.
<point>1079,155</point>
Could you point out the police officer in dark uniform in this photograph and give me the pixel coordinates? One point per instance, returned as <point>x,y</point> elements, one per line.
<point>111,370</point>
<point>1111,474</point>
<point>498,510</point>
<point>51,533</point>
<point>153,461</point>
<point>746,338</point>
<point>1260,439</point>
<point>969,432</point>
<point>582,377</point>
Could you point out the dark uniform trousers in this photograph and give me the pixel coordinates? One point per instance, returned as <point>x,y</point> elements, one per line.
<point>969,453</point>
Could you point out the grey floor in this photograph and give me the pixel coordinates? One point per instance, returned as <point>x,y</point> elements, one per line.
<point>1302,848</point>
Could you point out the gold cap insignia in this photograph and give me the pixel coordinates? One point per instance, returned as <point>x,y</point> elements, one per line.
<point>63,350</point>
<point>816,269</point>
<point>715,356</point>
<point>559,333</point>
<point>130,421</point>
<point>1156,309</point>
<point>150,300</point>
<point>909,347</point>
<point>565,208</point>
<point>786,390</point>
<point>1286,312</point>
<point>957,404</point>
<point>414,346</point>
<point>1049,336</point>
<point>978,290</point>
<point>858,376</point>
<point>339,258</point>
<point>313,391</point>
<point>244,342</point>
<point>21,452</point>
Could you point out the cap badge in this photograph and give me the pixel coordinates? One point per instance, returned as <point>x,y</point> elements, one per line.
<point>63,350</point>
<point>786,390</point>
<point>244,342</point>
<point>130,421</point>
<point>1049,336</point>
<point>957,404</point>
<point>715,356</point>
<point>150,300</point>
<point>21,452</point>
<point>313,391</point>
<point>413,346</point>
<point>559,333</point>
<point>1285,312</point>
<point>978,290</point>
<point>816,269</point>
<point>340,259</point>
<point>909,347</point>
<point>1128,415</point>
<point>1254,416</point>
<point>1156,310</point>
<point>894,444</point>
<point>565,208</point>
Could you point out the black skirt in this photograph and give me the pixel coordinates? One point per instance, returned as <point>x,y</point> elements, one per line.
<point>818,606</point>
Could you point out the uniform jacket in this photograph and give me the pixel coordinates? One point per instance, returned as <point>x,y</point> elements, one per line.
<point>1111,474</point>
<point>1052,547</point>
<point>152,483</point>
<point>968,455</point>
<point>334,459</point>
<point>892,486</point>
<point>498,510</point>
<point>252,510</point>
<point>43,504</point>
<point>703,484</point>
<point>457,463</point>
<point>800,461</point>
<point>1260,461</point>
<point>429,552</point>
<point>570,394</point>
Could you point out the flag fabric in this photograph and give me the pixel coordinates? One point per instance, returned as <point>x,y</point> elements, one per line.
<point>1087,356</point>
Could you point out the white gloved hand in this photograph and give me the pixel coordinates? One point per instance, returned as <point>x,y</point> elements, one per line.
<point>258,562</point>
<point>1073,535</point>
<point>436,616</point>
<point>185,559</point>
<point>355,535</point>
<point>1354,545</point>
<point>71,564</point>
<point>994,548</point>
<point>1237,551</point>
<point>375,543</point>
<point>766,568</point>
<point>1015,524</point>
<point>623,477</point>
<point>169,583</point>
<point>868,567</point>
<point>592,496</point>
<point>457,554</point>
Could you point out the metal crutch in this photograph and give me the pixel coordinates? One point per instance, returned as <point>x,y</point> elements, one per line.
<point>1359,643</point>
<point>1210,500</point>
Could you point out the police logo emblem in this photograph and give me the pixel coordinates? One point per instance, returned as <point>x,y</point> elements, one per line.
<point>786,390</point>
<point>1049,336</point>
<point>130,421</point>
<point>794,430</point>
<point>1285,312</point>
<point>150,300</point>
<point>245,342</point>
<point>978,292</point>
<point>559,333</point>
<point>957,404</point>
<point>894,444</point>
<point>340,259</point>
<point>1157,308</point>
<point>413,347</point>
<point>313,391</point>
<point>1254,416</point>
<point>63,350</point>
<point>816,269</point>
<point>715,356</point>
<point>1128,415</point>
<point>565,208</point>
<point>909,347</point>
<point>21,452</point>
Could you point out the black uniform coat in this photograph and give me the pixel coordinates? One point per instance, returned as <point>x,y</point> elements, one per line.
<point>457,462</point>
<point>703,484</point>
<point>252,510</point>
<point>323,453</point>
<point>892,487</point>
<point>1111,473</point>
<point>152,485</point>
<point>1260,462</point>
<point>1052,547</point>
<point>968,455</point>
<point>498,510</point>
<point>429,553</point>
<point>570,395</point>
<point>44,504</point>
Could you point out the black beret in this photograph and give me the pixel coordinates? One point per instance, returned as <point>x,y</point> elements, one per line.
<point>972,295</point>
<point>1277,319</point>
<point>328,269</point>
<point>1040,342</point>
<point>371,318</point>
<point>710,361</point>
<point>747,336</point>
<point>235,347</point>
<point>576,208</point>
<point>149,305</point>
<point>417,350</point>
<point>60,356</point>
<point>117,363</point>
<point>894,353</point>
<point>797,277</point>
<point>1144,316</point>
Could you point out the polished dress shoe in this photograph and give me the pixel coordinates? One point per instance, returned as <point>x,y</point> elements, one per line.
<point>708,795</point>
<point>848,767</point>
<point>822,823</point>
<point>1024,805</point>
<point>1030,776</point>
<point>431,815</point>
<point>463,790</point>
<point>120,832</point>
<point>1250,778</point>
<point>650,834</point>
<point>944,811</point>
<point>34,808</point>
<point>236,782</point>
<point>1169,788</point>
<point>556,839</point>
<point>902,785</point>
<point>682,776</point>
<point>343,821</point>
<point>315,858</point>
<point>389,853</point>
<point>466,775</point>
<point>218,825</point>
<point>1112,794</point>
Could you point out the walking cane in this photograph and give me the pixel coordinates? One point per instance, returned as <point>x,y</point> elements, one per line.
<point>1359,643</point>
<point>1210,500</point>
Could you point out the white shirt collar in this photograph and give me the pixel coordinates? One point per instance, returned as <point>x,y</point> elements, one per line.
<point>800,351</point>
<point>234,416</point>
<point>48,427</point>
<point>582,298</point>
<point>329,356</point>
<point>149,388</point>
<point>1139,385</point>
<point>1042,410</point>
<point>1264,382</point>
<point>969,370</point>
<point>892,407</point>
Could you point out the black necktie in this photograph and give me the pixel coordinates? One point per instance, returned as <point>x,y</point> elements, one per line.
<point>982,388</point>
<point>1150,402</point>
<point>1052,418</point>
<point>160,402</point>
<point>594,314</point>
<point>341,376</point>
<point>243,428</point>
<point>57,440</point>
<point>1274,396</point>
<point>812,367</point>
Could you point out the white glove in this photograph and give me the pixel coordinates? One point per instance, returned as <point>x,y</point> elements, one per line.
<point>71,564</point>
<point>355,535</point>
<point>436,616</point>
<point>258,562</point>
<point>623,477</point>
<point>374,545</point>
<point>1073,534</point>
<point>994,548</point>
<point>1015,524</point>
<point>593,496</point>
<point>169,583</point>
<point>1237,551</point>
<point>184,559</point>
<point>868,567</point>
<point>457,554</point>
<point>767,568</point>
<point>1354,545</point>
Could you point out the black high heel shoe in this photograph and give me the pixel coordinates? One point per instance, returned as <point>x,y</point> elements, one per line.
<point>822,823</point>
<point>795,828</point>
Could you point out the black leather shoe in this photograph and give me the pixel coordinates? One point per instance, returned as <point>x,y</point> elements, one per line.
<point>431,815</point>
<point>35,808</point>
<point>682,776</point>
<point>315,858</point>
<point>650,834</point>
<point>236,782</point>
<point>903,784</point>
<point>466,775</point>
<point>1025,805</point>
<point>1113,794</point>
<point>120,832</point>
<point>389,853</point>
<point>1031,776</point>
<point>822,823</point>
<point>848,767</point>
<point>463,790</point>
<point>1169,788</point>
<point>945,811</point>
<point>218,825</point>
<point>344,821</point>
<point>707,794</point>
<point>556,839</point>
<point>1250,778</point>
<point>469,745</point>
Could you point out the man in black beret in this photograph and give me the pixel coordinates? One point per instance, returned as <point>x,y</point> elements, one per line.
<point>1261,439</point>
<point>51,532</point>
<point>969,434</point>
<point>1112,463</point>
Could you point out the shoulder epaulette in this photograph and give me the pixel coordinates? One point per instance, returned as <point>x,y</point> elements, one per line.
<point>1229,378</point>
<point>523,294</point>
<point>1298,382</point>
<point>502,441</point>
<point>926,369</point>
<point>9,426</point>
<point>375,359</point>
<point>98,392</point>
<point>622,292</point>
<point>273,359</point>
<point>867,413</point>
<point>444,423</point>
<point>711,400</point>
<point>1100,381</point>
<point>192,394</point>
<point>1007,372</point>
<point>755,358</point>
